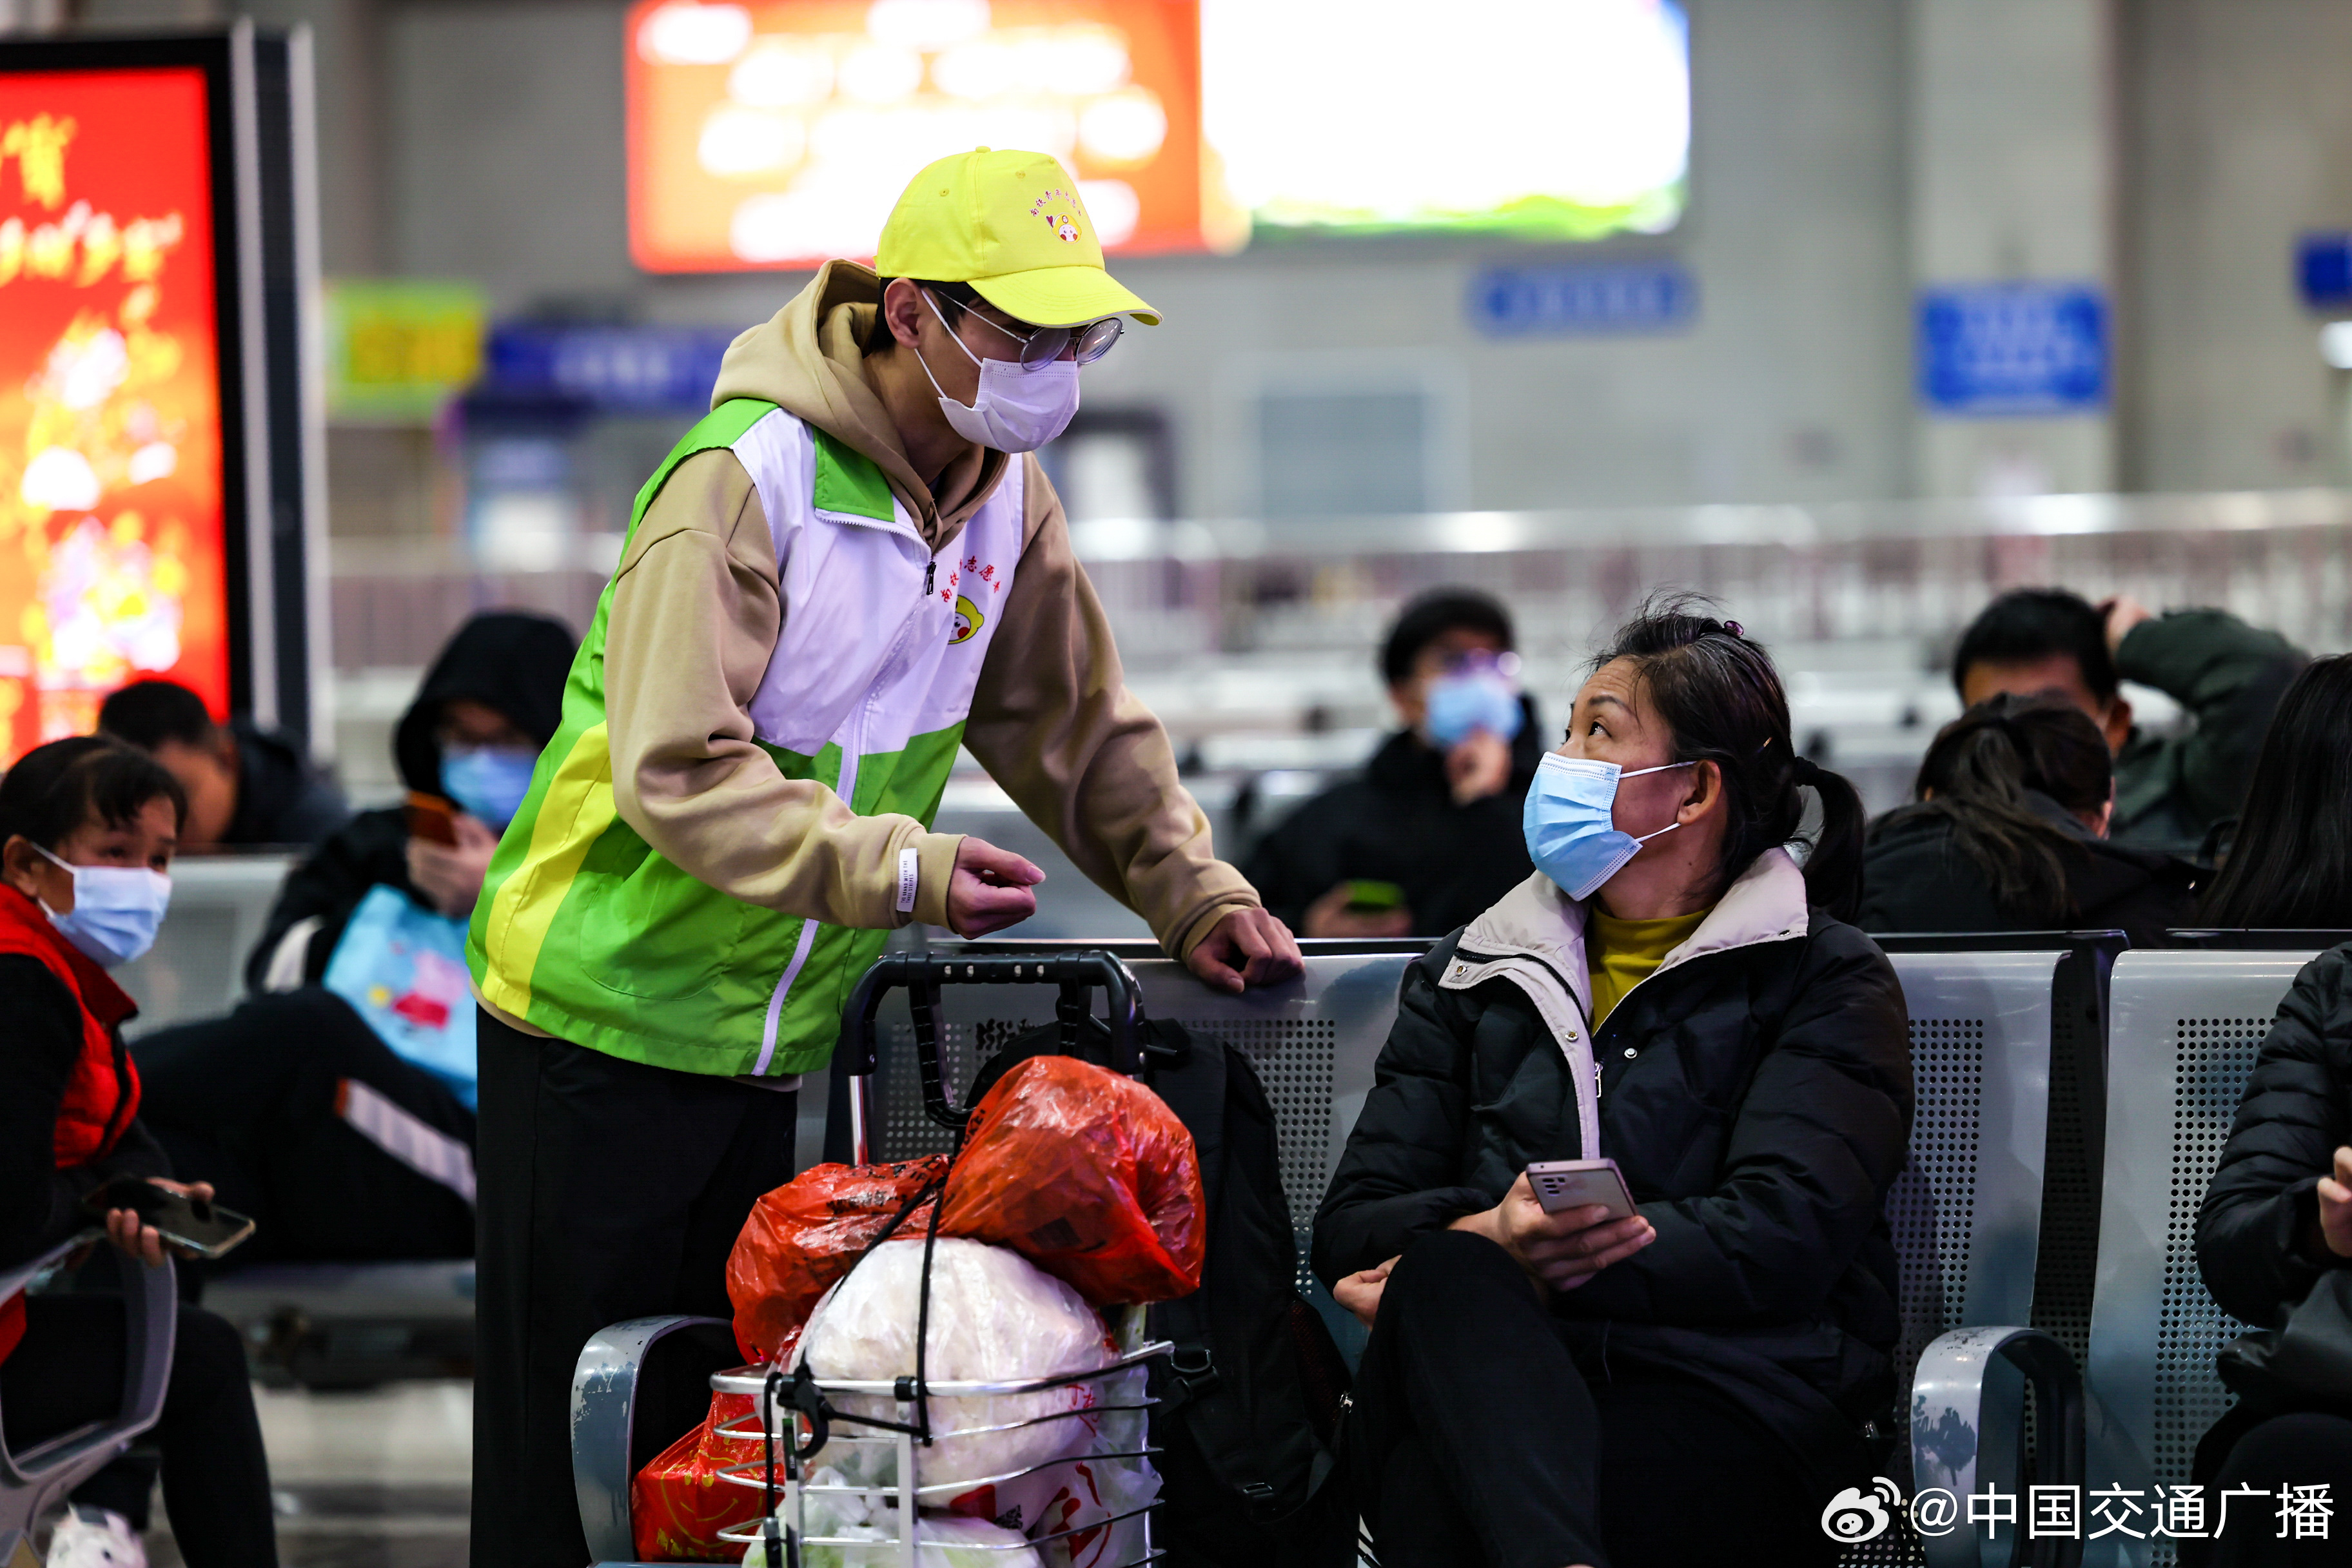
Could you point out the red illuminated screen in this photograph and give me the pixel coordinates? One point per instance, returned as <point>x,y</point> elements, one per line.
<point>776,133</point>
<point>110,490</point>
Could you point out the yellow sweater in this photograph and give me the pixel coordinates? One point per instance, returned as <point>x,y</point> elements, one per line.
<point>1619,954</point>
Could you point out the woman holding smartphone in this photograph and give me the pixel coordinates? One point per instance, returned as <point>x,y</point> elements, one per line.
<point>87,831</point>
<point>1671,991</point>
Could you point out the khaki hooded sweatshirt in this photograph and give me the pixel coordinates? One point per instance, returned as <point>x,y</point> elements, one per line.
<point>695,613</point>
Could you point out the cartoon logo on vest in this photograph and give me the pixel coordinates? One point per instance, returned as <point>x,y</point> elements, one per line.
<point>1060,210</point>
<point>968,621</point>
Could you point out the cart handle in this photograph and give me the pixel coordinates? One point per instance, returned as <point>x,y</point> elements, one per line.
<point>923,973</point>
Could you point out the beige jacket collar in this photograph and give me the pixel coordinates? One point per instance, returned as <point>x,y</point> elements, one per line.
<point>1533,937</point>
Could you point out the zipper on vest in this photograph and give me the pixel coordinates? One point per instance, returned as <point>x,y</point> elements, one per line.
<point>930,574</point>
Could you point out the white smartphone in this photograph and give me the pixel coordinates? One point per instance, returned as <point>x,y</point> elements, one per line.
<point>1579,1184</point>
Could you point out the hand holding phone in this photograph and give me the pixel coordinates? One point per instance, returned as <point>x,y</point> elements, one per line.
<point>430,818</point>
<point>142,1216</point>
<point>1562,1184</point>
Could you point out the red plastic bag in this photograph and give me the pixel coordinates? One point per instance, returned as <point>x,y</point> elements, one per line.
<point>678,1504</point>
<point>803,1235</point>
<point>1088,1175</point>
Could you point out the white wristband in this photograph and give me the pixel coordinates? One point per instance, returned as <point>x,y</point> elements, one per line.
<point>909,873</point>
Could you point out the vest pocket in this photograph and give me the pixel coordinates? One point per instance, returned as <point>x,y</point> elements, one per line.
<point>655,931</point>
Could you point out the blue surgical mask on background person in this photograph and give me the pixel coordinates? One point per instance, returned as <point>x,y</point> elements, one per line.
<point>488,781</point>
<point>117,911</point>
<point>1570,822</point>
<point>1464,701</point>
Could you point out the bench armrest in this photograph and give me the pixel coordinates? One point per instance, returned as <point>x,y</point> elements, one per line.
<point>604,1415</point>
<point>1967,1419</point>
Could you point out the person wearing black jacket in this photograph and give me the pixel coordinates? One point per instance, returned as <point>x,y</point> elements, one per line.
<point>1428,834</point>
<point>2171,792</point>
<point>2008,832</point>
<point>1670,993</point>
<point>260,1102</point>
<point>87,828</point>
<point>247,787</point>
<point>2277,1216</point>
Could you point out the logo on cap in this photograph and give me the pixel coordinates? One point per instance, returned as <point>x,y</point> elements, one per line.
<point>1059,209</point>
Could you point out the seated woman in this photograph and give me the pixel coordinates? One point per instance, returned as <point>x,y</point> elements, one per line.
<point>2278,1211</point>
<point>2010,833</point>
<point>321,1099</point>
<point>1694,1382</point>
<point>87,831</point>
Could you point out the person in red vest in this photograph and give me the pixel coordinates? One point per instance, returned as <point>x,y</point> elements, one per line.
<point>87,830</point>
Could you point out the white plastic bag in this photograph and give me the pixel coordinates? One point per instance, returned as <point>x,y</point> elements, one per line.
<point>1073,1509</point>
<point>941,1540</point>
<point>994,1317</point>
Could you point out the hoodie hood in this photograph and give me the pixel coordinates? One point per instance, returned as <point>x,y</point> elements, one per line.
<point>507,659</point>
<point>809,360</point>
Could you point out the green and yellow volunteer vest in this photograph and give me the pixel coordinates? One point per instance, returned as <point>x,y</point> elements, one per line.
<point>584,932</point>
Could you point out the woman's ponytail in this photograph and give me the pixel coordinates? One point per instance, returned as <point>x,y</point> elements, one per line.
<point>1834,868</point>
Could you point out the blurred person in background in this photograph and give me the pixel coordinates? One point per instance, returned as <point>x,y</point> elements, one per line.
<point>2008,832</point>
<point>87,828</point>
<point>1694,1383</point>
<point>247,787</point>
<point>1428,835</point>
<point>318,1100</point>
<point>851,566</point>
<point>2290,861</point>
<point>2170,794</point>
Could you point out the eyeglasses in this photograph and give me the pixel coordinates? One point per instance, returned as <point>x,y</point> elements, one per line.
<point>1043,345</point>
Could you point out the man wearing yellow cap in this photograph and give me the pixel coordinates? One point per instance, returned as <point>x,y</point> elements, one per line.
<point>850,568</point>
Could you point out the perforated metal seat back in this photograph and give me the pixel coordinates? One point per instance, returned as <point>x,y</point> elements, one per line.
<point>1313,1043</point>
<point>1967,1210</point>
<point>2186,1027</point>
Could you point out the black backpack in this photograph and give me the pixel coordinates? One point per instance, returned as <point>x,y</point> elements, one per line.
<point>1250,1402</point>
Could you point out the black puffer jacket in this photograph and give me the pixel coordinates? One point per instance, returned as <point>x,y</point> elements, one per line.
<point>2296,1113</point>
<point>1756,1091</point>
<point>1916,878</point>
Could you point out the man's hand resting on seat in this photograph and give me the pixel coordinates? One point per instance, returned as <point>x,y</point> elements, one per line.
<point>1248,947</point>
<point>989,890</point>
<point>1561,1250</point>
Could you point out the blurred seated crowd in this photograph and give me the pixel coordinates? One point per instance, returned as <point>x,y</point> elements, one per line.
<point>1648,942</point>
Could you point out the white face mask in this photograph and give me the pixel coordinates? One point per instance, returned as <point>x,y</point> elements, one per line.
<point>1016,410</point>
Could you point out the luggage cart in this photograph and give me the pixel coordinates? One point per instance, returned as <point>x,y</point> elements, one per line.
<point>827,1442</point>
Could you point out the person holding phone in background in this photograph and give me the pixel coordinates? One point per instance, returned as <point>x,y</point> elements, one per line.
<point>347,1081</point>
<point>1428,834</point>
<point>87,828</point>
<point>1671,991</point>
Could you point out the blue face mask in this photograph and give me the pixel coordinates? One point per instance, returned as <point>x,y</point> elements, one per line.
<point>1570,823</point>
<point>489,782</point>
<point>117,911</point>
<point>1470,700</point>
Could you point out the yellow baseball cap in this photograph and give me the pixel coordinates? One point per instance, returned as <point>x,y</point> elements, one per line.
<point>1011,225</point>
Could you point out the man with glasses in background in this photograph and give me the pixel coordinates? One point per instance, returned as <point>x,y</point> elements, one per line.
<point>848,569</point>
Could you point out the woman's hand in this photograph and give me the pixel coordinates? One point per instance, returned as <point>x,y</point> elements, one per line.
<point>2336,1206</point>
<point>1560,1250</point>
<point>139,1239</point>
<point>1361,1292</point>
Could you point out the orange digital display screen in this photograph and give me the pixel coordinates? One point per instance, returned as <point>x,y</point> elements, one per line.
<point>111,563</point>
<point>778,135</point>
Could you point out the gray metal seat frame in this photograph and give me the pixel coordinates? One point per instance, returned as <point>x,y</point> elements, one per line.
<point>2185,1027</point>
<point>37,1480</point>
